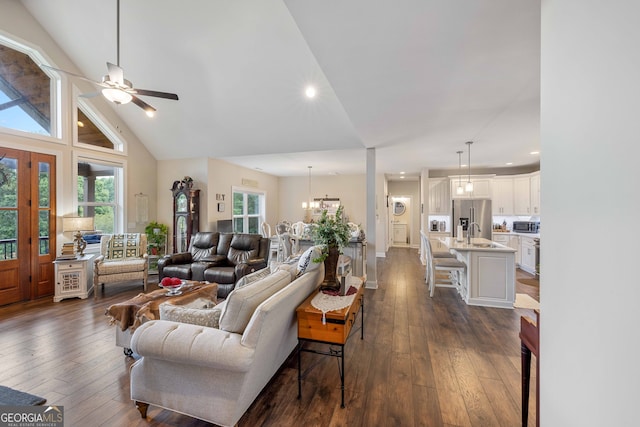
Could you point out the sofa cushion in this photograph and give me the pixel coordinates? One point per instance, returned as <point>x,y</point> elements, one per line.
<point>243,247</point>
<point>203,245</point>
<point>122,266</point>
<point>306,260</point>
<point>243,301</point>
<point>220,275</point>
<point>253,277</point>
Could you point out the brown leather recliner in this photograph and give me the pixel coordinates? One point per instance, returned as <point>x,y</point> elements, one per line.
<point>190,265</point>
<point>246,253</point>
<point>221,258</point>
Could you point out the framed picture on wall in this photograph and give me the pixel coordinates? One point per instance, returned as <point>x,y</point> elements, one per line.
<point>220,207</point>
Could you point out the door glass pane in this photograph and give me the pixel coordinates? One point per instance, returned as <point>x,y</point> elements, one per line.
<point>253,204</point>
<point>44,184</point>
<point>8,183</point>
<point>253,224</point>
<point>43,232</point>
<point>8,235</point>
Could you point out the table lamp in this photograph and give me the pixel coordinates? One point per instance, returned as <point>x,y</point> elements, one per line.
<point>78,224</point>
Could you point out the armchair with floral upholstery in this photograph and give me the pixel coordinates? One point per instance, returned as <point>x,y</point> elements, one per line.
<point>123,257</point>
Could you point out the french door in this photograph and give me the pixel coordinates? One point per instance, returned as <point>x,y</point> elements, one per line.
<point>27,225</point>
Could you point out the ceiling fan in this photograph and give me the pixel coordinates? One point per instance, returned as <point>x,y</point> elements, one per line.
<point>115,87</point>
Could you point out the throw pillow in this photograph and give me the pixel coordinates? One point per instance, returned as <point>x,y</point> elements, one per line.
<point>253,277</point>
<point>123,246</point>
<point>242,302</point>
<point>306,260</point>
<point>202,316</point>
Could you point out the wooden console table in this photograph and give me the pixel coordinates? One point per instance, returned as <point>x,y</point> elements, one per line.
<point>334,330</point>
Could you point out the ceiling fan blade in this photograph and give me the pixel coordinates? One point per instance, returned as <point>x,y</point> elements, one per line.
<point>70,74</point>
<point>146,107</point>
<point>116,74</point>
<point>157,94</point>
<point>89,95</point>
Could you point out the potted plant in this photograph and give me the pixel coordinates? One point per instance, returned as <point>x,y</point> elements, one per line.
<point>156,236</point>
<point>333,234</point>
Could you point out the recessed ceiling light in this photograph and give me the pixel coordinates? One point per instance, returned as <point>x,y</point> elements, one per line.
<point>402,177</point>
<point>401,173</point>
<point>534,152</point>
<point>80,124</point>
<point>509,163</point>
<point>310,91</point>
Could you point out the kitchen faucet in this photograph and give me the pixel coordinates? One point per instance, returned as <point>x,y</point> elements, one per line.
<point>470,231</point>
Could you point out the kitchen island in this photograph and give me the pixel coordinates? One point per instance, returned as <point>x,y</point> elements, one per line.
<point>490,277</point>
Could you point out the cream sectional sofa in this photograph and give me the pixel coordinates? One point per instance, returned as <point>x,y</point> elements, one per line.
<point>215,374</point>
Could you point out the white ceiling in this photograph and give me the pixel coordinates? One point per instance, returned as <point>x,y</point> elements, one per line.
<point>413,78</point>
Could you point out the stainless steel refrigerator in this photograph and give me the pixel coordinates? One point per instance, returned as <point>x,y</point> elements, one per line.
<point>466,211</point>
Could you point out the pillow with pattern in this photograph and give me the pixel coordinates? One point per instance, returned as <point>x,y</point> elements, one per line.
<point>306,260</point>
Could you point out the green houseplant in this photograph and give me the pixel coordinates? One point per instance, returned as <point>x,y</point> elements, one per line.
<point>156,236</point>
<point>333,234</point>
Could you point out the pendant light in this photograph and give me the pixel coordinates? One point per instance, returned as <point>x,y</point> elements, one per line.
<point>459,190</point>
<point>309,204</point>
<point>469,185</point>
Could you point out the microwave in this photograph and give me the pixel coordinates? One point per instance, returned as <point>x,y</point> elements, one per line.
<point>526,226</point>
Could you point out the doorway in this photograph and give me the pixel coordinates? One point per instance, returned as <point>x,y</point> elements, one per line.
<point>27,225</point>
<point>400,220</point>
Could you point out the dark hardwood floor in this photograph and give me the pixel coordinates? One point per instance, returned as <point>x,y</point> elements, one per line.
<point>423,362</point>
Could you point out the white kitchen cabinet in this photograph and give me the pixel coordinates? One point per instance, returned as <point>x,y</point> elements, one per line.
<point>439,199</point>
<point>502,238</point>
<point>522,195</point>
<point>527,255</point>
<point>514,243</point>
<point>481,187</point>
<point>502,200</point>
<point>534,186</point>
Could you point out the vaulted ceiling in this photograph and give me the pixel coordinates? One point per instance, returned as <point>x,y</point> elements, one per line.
<point>414,79</point>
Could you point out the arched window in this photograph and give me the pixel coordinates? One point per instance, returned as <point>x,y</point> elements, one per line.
<point>27,93</point>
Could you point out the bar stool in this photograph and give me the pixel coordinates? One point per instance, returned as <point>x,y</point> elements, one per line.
<point>451,267</point>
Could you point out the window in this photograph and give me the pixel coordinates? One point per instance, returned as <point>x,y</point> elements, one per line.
<point>248,211</point>
<point>89,133</point>
<point>100,194</point>
<point>26,92</point>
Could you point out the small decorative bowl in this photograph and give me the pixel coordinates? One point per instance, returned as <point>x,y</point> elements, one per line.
<point>173,290</point>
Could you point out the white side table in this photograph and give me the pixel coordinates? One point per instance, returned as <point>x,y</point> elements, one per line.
<point>74,278</point>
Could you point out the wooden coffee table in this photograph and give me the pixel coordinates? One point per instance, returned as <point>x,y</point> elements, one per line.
<point>130,314</point>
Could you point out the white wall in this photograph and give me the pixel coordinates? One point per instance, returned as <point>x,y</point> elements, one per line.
<point>589,166</point>
<point>223,176</point>
<point>350,189</point>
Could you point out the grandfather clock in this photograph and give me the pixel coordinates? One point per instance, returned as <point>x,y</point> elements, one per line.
<point>186,213</point>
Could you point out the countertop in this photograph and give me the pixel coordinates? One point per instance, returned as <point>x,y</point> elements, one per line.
<point>477,244</point>
<point>513,233</point>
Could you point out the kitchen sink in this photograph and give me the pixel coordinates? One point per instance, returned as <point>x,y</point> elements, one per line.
<point>484,245</point>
